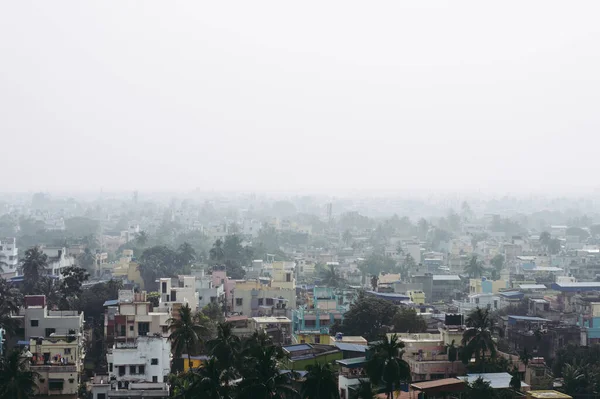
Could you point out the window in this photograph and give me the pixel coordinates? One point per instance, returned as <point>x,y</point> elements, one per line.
<point>110,367</point>
<point>101,396</point>
<point>477,300</point>
<point>50,331</point>
<point>173,295</point>
<point>288,277</point>
<point>143,328</point>
<point>164,287</point>
<point>34,323</point>
<point>123,331</point>
<point>269,301</point>
<point>213,299</point>
<point>55,384</point>
<point>168,298</point>
<point>154,361</point>
<point>261,301</point>
<point>67,351</point>
<point>154,378</point>
<point>239,301</point>
<point>131,327</point>
<point>317,339</point>
<point>132,369</point>
<point>121,371</point>
<point>141,369</point>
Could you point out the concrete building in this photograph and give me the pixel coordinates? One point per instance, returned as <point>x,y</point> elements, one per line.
<point>486,286</point>
<point>58,360</point>
<point>253,298</point>
<point>219,277</point>
<point>38,321</point>
<point>9,257</point>
<point>139,368</point>
<point>177,290</point>
<point>278,328</point>
<point>206,289</point>
<point>58,260</point>
<point>489,301</point>
<point>284,275</point>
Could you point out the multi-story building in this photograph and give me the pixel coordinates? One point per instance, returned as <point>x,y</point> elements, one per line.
<point>255,298</point>
<point>137,369</point>
<point>278,328</point>
<point>39,321</point>
<point>58,362</point>
<point>219,277</point>
<point>284,275</point>
<point>486,286</point>
<point>178,290</point>
<point>9,257</point>
<point>489,301</point>
<point>207,290</point>
<point>58,260</point>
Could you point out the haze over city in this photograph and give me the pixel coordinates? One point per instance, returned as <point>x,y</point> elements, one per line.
<point>320,97</point>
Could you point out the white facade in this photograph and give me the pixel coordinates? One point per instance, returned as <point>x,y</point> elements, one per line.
<point>489,301</point>
<point>181,289</point>
<point>144,362</point>
<point>9,257</point>
<point>207,291</point>
<point>58,260</point>
<point>251,227</point>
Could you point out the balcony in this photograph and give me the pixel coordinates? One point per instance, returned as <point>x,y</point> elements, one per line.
<point>69,368</point>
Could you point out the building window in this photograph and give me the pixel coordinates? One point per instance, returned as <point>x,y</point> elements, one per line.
<point>261,301</point>
<point>50,331</point>
<point>131,327</point>
<point>131,369</point>
<point>121,371</point>
<point>154,378</point>
<point>110,367</point>
<point>143,328</point>
<point>239,301</point>
<point>101,396</point>
<point>56,384</point>
<point>34,323</point>
<point>67,351</point>
<point>123,330</point>
<point>269,301</point>
<point>288,277</point>
<point>154,361</point>
<point>317,339</point>
<point>142,370</point>
<point>164,287</point>
<point>213,299</point>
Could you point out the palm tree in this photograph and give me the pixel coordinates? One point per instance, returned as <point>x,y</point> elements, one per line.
<point>374,282</point>
<point>16,380</point>
<point>34,265</point>
<point>10,303</point>
<point>364,390</point>
<point>186,253</point>
<point>545,238</point>
<point>87,259</point>
<point>480,389</point>
<point>347,237</point>
<point>225,348</point>
<point>515,381</point>
<point>332,278</point>
<point>477,338</point>
<point>261,378</point>
<point>525,357</point>
<point>452,351</point>
<point>217,253</point>
<point>387,366</point>
<point>141,238</point>
<point>475,268</point>
<point>186,333</point>
<point>207,379</point>
<point>320,382</point>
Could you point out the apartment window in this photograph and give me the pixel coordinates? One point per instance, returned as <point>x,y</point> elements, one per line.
<point>213,299</point>
<point>164,287</point>
<point>143,328</point>
<point>269,301</point>
<point>132,369</point>
<point>56,384</point>
<point>154,361</point>
<point>67,351</point>
<point>123,330</point>
<point>288,277</point>
<point>101,396</point>
<point>121,371</point>
<point>110,367</point>
<point>50,331</point>
<point>317,339</point>
<point>154,378</point>
<point>168,298</point>
<point>173,295</point>
<point>239,301</point>
<point>34,323</point>
<point>261,301</point>
<point>131,327</point>
<point>141,369</point>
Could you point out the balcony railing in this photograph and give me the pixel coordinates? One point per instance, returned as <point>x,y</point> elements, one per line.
<point>55,368</point>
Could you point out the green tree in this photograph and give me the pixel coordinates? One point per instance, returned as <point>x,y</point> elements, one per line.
<point>498,262</point>
<point>407,320</point>
<point>347,237</point>
<point>11,300</point>
<point>480,389</point>
<point>364,390</point>
<point>477,339</point>
<point>320,382</point>
<point>525,357</point>
<point>87,259</point>
<point>141,239</point>
<point>16,380</point>
<point>186,253</point>
<point>386,365</point>
<point>34,265</point>
<point>475,267</point>
<point>261,378</point>
<point>208,379</point>
<point>226,348</point>
<point>186,333</point>
<point>70,287</point>
<point>452,351</point>
<point>545,238</point>
<point>216,253</point>
<point>332,278</point>
<point>368,317</point>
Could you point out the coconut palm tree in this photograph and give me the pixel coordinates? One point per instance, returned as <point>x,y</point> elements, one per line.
<point>364,390</point>
<point>216,253</point>
<point>186,254</point>
<point>16,380</point>
<point>477,339</point>
<point>261,378</point>
<point>10,302</point>
<point>332,278</point>
<point>387,366</point>
<point>225,348</point>
<point>186,332</point>
<point>141,238</point>
<point>452,351</point>
<point>320,382</point>
<point>475,268</point>
<point>207,379</point>
<point>34,265</point>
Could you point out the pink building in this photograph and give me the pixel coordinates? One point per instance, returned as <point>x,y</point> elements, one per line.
<point>220,277</point>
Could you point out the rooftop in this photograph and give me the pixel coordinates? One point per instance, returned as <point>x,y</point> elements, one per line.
<point>343,346</point>
<point>532,287</point>
<point>354,362</point>
<point>272,320</point>
<point>443,383</point>
<point>527,318</point>
<point>496,380</point>
<point>446,277</point>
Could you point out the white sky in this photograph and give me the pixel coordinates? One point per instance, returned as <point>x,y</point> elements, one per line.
<point>317,95</point>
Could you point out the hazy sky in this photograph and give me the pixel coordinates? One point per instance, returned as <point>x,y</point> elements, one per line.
<point>316,95</point>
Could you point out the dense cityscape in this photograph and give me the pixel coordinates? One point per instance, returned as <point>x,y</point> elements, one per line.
<point>224,296</point>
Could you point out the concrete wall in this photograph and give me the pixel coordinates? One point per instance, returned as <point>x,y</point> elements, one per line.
<point>142,353</point>
<point>61,321</point>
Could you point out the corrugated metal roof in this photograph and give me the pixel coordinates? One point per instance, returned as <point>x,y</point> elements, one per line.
<point>111,302</point>
<point>350,347</point>
<point>527,318</point>
<point>532,287</point>
<point>354,362</point>
<point>299,347</point>
<point>496,380</point>
<point>446,277</point>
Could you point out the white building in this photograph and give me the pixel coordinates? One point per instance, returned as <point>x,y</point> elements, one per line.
<point>180,289</point>
<point>140,368</point>
<point>251,227</point>
<point>58,260</point>
<point>9,257</point>
<point>489,301</point>
<point>207,290</point>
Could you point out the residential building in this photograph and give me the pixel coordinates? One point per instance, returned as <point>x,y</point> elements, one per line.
<point>302,355</point>
<point>278,328</point>
<point>219,277</point>
<point>255,298</point>
<point>58,361</point>
<point>489,301</point>
<point>177,290</point>
<point>9,257</point>
<point>444,287</point>
<point>486,286</point>
<point>284,275</point>
<point>207,290</point>
<point>39,321</point>
<point>58,260</point>
<point>139,368</point>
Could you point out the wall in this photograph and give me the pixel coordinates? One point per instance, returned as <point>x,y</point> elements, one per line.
<point>142,353</point>
<point>61,321</point>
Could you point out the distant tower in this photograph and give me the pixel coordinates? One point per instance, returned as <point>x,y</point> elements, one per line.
<point>329,212</point>
<point>135,197</point>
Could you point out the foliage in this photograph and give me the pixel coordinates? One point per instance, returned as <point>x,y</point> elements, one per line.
<point>34,265</point>
<point>232,254</point>
<point>261,378</point>
<point>161,261</point>
<point>82,226</point>
<point>407,320</point>
<point>186,332</point>
<point>480,389</point>
<point>368,317</point>
<point>498,261</point>
<point>11,300</point>
<point>70,286</point>
<point>364,390</point>
<point>477,339</point>
<point>475,267</point>
<point>386,365</point>
<point>331,277</point>
<point>320,382</point>
<point>16,380</point>
<point>87,259</point>
<point>571,354</point>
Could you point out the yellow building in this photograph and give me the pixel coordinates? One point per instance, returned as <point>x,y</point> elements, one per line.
<point>283,275</point>
<point>416,296</point>
<point>59,361</point>
<point>313,337</point>
<point>485,286</point>
<point>197,361</point>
